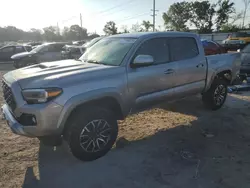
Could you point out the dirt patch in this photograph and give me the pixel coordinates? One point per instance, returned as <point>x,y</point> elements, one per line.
<point>175,145</point>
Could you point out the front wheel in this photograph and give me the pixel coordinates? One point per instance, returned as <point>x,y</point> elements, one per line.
<point>91,133</point>
<point>216,96</point>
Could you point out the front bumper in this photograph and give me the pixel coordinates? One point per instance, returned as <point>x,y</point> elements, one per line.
<point>15,127</point>
<point>46,115</point>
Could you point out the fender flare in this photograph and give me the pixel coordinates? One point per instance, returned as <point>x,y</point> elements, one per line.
<point>80,99</point>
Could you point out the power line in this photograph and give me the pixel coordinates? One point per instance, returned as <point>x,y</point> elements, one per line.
<point>129,18</point>
<point>109,9</point>
<point>117,11</point>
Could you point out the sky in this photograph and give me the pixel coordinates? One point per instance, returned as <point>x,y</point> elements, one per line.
<point>27,14</point>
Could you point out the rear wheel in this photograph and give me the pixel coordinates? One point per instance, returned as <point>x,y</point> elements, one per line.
<point>216,96</point>
<point>91,133</point>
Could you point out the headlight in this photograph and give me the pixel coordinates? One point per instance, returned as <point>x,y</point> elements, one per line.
<point>34,96</point>
<point>242,42</point>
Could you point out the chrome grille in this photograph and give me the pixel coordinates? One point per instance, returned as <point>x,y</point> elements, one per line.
<point>8,96</point>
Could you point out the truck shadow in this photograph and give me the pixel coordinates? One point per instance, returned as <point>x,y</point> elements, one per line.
<point>211,151</point>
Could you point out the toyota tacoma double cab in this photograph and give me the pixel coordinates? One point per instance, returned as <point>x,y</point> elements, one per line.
<point>81,100</point>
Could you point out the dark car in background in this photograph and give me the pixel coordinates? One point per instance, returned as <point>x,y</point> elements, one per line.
<point>71,52</point>
<point>245,61</point>
<point>75,52</point>
<point>7,51</point>
<point>212,48</point>
<point>237,40</point>
<point>34,44</point>
<point>43,53</point>
<point>79,43</point>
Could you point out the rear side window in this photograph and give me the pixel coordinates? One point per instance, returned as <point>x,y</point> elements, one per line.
<point>158,48</point>
<point>56,47</point>
<point>19,49</point>
<point>183,48</point>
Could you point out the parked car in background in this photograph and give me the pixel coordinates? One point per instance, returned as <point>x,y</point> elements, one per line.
<point>90,43</point>
<point>82,100</point>
<point>34,43</point>
<point>7,51</point>
<point>237,40</point>
<point>245,61</point>
<point>79,43</point>
<point>71,52</point>
<point>43,53</point>
<point>212,48</point>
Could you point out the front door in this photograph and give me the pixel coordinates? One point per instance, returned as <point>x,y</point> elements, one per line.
<point>191,66</point>
<point>151,84</point>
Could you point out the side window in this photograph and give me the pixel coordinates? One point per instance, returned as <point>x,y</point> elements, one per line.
<point>8,49</point>
<point>157,48</point>
<point>183,48</point>
<point>58,47</point>
<point>19,49</point>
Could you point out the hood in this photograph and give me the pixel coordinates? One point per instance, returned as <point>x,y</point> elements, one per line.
<point>56,74</point>
<point>21,55</point>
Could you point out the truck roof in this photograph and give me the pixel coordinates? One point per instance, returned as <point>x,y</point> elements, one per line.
<point>147,34</point>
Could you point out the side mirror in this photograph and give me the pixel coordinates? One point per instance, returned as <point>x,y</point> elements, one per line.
<point>142,60</point>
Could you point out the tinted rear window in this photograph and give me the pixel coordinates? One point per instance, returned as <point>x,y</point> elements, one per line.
<point>183,48</point>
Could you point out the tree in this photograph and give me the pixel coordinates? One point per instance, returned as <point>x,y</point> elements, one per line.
<point>136,28</point>
<point>77,33</point>
<point>177,16</point>
<point>202,15</point>
<point>50,34</point>
<point>147,25</point>
<point>246,6</point>
<point>229,28</point>
<point>124,29</point>
<point>110,28</point>
<point>226,8</point>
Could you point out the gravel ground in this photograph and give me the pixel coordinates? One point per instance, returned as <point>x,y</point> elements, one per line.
<point>174,145</point>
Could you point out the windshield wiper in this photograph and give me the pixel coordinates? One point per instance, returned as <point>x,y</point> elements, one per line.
<point>93,61</point>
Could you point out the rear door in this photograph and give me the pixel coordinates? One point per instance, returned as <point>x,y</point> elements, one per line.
<point>150,84</point>
<point>191,66</point>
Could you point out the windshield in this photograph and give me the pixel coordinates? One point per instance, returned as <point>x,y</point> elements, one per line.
<point>92,42</point>
<point>40,48</point>
<point>108,51</point>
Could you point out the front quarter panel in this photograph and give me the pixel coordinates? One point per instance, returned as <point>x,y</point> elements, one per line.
<point>104,85</point>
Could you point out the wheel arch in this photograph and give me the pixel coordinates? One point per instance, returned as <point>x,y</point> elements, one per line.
<point>111,101</point>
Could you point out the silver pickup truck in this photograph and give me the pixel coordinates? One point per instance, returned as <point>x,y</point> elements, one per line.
<point>81,100</point>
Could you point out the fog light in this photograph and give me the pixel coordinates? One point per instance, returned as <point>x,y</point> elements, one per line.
<point>27,119</point>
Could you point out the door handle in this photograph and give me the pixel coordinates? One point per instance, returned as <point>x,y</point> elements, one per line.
<point>200,65</point>
<point>169,71</point>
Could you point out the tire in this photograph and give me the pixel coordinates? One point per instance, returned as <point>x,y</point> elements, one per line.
<point>90,128</point>
<point>216,96</point>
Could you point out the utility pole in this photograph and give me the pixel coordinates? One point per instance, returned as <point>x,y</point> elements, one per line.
<point>153,14</point>
<point>81,20</point>
<point>81,25</point>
